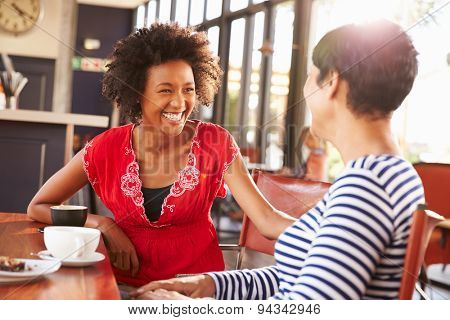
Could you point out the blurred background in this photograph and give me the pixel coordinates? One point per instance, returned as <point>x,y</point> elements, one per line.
<point>265,50</point>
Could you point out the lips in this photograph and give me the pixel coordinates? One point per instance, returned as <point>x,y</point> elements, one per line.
<point>173,116</point>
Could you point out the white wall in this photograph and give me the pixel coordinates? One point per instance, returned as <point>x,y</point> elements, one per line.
<point>36,42</point>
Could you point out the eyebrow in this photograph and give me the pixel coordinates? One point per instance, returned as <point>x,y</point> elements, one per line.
<point>169,84</point>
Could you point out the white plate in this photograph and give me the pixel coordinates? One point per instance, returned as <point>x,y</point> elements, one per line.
<point>74,262</point>
<point>12,280</point>
<point>33,269</point>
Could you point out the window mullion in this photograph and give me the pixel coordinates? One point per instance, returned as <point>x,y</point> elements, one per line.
<point>246,71</point>
<point>265,83</point>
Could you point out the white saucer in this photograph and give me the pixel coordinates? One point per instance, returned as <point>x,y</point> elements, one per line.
<point>73,262</point>
<point>33,270</point>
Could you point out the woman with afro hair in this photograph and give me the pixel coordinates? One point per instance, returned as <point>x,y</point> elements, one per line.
<point>160,174</point>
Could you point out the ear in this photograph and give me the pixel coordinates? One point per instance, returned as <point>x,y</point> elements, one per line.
<point>331,84</point>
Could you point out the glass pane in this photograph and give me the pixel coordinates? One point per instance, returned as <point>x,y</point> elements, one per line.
<point>213,37</point>
<point>151,12</point>
<point>164,10</point>
<point>279,84</point>
<point>140,17</point>
<point>236,5</point>
<point>234,75</point>
<point>253,99</point>
<point>181,13</point>
<point>213,9</point>
<point>206,113</point>
<point>258,1</point>
<point>197,9</point>
<point>432,142</point>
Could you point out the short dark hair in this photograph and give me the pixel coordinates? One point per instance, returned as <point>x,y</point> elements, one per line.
<point>378,60</point>
<point>126,75</point>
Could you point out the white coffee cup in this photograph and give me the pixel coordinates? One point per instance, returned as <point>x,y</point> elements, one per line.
<point>71,242</point>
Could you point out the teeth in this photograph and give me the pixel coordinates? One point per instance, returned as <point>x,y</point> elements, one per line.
<point>173,116</point>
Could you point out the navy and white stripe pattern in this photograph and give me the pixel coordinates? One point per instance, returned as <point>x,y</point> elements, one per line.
<point>350,246</point>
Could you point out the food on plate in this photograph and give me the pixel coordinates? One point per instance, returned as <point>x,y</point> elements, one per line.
<point>11,264</point>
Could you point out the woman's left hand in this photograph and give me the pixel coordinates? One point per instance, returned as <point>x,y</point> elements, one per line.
<point>162,294</point>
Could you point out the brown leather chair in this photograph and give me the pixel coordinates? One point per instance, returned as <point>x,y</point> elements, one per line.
<point>436,182</point>
<point>290,195</point>
<point>253,154</point>
<point>422,226</point>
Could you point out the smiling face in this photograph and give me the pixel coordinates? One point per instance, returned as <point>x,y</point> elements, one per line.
<point>169,97</point>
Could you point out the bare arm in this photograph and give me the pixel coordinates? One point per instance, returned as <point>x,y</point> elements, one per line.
<point>60,187</point>
<point>269,221</point>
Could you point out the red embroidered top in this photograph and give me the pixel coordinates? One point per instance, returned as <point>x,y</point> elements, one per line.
<point>183,240</point>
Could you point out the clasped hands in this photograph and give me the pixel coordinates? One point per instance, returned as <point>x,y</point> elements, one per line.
<point>200,286</point>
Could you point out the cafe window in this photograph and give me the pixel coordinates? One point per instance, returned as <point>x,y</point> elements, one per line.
<point>181,12</point>
<point>279,85</point>
<point>213,37</point>
<point>252,107</point>
<point>251,41</point>
<point>422,132</point>
<point>151,12</point>
<point>234,75</point>
<point>213,9</point>
<point>197,11</point>
<point>140,17</point>
<point>206,113</point>
<point>254,42</point>
<point>236,5</point>
<point>164,10</point>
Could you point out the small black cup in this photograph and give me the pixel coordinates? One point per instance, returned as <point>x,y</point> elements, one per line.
<point>73,216</point>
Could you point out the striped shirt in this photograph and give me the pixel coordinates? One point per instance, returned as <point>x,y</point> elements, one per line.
<point>350,246</point>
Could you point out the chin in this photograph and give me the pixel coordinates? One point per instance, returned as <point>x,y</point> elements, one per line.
<point>173,130</point>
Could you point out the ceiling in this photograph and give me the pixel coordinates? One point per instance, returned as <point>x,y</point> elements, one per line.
<point>129,4</point>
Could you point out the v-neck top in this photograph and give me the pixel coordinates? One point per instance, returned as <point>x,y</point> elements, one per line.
<point>153,201</point>
<point>183,239</point>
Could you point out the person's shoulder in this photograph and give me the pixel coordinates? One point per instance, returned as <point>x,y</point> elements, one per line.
<point>107,142</point>
<point>378,172</point>
<point>112,135</point>
<point>383,167</point>
<point>208,128</point>
<point>210,131</point>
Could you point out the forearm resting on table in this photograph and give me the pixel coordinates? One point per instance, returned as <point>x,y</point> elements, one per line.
<point>41,212</point>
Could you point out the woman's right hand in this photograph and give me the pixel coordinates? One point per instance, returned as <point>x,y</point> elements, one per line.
<point>121,250</point>
<point>199,286</point>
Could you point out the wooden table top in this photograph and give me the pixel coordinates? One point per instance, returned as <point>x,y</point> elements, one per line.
<point>19,238</point>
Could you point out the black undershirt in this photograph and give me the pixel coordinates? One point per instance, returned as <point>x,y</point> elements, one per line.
<point>153,201</point>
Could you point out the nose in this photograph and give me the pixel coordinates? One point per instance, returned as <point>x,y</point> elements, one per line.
<point>178,100</point>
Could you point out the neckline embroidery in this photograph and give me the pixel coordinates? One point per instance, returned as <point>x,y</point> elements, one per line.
<point>187,179</point>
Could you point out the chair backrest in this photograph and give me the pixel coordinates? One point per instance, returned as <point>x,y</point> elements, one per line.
<point>290,195</point>
<point>422,225</point>
<point>253,154</point>
<point>436,183</point>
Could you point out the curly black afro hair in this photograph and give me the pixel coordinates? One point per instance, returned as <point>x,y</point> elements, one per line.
<point>126,75</point>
